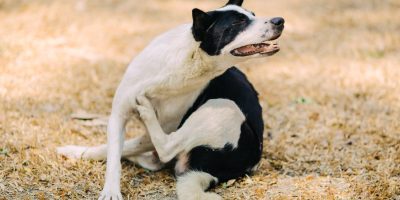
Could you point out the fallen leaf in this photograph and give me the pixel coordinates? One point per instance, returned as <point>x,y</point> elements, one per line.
<point>314,116</point>
<point>90,119</point>
<point>43,177</point>
<point>4,151</point>
<point>83,115</point>
<point>230,182</point>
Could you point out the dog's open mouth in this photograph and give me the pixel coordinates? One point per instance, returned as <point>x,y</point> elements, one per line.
<point>267,48</point>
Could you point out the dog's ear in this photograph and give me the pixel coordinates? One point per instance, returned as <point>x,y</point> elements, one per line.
<point>235,2</point>
<point>201,22</point>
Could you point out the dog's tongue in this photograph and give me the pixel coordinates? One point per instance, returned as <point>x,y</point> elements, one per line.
<point>254,49</point>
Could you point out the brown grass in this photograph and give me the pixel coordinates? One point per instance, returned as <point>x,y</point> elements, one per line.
<point>331,97</point>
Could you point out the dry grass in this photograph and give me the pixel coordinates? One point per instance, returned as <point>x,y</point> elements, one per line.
<point>331,98</point>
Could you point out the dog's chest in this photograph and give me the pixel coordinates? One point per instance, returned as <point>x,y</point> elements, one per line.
<point>170,111</point>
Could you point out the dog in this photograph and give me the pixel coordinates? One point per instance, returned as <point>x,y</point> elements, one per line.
<point>199,111</point>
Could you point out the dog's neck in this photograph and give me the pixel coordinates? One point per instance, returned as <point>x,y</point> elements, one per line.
<point>199,69</point>
<point>186,67</point>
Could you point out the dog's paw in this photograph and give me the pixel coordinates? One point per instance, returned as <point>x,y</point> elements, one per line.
<point>145,109</point>
<point>143,101</point>
<point>110,195</point>
<point>71,151</point>
<point>144,113</point>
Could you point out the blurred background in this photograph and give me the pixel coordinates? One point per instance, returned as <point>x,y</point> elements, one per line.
<point>331,97</point>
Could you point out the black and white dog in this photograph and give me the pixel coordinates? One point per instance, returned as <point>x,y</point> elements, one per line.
<point>197,108</point>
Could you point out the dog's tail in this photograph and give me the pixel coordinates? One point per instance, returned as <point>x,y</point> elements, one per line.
<point>192,186</point>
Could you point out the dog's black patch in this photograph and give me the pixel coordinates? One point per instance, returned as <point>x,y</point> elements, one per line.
<point>229,163</point>
<point>216,29</point>
<point>235,2</point>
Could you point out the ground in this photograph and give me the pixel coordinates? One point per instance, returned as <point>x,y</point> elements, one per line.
<point>331,97</point>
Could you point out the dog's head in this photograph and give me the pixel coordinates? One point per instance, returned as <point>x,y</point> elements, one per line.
<point>234,32</point>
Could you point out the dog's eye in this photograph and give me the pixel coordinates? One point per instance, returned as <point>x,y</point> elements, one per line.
<point>239,22</point>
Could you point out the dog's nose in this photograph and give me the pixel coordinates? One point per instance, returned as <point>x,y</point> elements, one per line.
<point>277,21</point>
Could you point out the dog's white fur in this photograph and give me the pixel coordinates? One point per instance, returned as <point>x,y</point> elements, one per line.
<point>192,185</point>
<point>237,9</point>
<point>172,71</point>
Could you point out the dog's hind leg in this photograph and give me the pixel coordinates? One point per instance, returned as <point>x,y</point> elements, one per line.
<point>132,147</point>
<point>192,186</point>
<point>215,124</point>
<point>138,150</point>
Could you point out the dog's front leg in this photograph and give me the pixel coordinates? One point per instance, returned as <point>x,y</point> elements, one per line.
<point>115,138</point>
